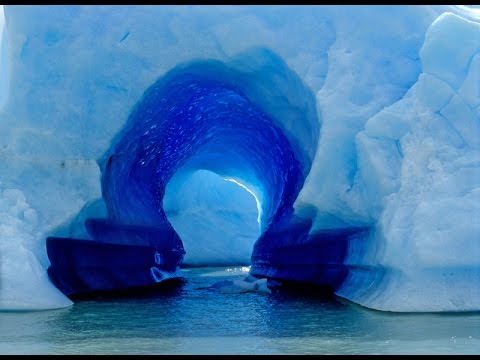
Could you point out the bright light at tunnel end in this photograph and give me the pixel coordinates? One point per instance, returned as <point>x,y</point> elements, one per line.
<point>259,206</point>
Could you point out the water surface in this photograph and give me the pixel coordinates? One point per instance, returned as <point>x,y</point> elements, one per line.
<point>185,318</point>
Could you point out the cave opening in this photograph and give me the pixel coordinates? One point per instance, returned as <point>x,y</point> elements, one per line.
<point>207,121</point>
<point>251,122</point>
<point>206,208</point>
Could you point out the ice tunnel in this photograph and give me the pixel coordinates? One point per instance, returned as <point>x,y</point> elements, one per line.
<point>209,116</point>
<point>298,139</point>
<point>201,116</point>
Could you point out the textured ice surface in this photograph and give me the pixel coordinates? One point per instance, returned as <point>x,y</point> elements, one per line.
<point>356,127</point>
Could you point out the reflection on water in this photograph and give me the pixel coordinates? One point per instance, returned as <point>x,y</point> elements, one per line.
<point>182,319</point>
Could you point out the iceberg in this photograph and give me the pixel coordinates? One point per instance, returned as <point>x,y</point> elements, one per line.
<point>337,146</point>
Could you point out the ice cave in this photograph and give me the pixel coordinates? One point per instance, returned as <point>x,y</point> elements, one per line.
<point>334,146</point>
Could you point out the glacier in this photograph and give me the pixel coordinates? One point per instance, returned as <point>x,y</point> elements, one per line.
<point>332,145</point>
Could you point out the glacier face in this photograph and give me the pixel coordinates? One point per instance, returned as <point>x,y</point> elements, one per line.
<point>355,127</point>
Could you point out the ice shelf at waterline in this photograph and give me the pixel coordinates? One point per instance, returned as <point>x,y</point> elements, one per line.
<point>355,130</point>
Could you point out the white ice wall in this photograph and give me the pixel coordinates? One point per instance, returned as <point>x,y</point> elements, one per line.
<point>426,147</point>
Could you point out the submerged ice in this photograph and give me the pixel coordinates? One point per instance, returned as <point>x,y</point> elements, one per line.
<point>355,130</point>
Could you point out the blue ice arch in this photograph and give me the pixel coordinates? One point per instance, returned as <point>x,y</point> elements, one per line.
<point>201,116</point>
<point>299,140</point>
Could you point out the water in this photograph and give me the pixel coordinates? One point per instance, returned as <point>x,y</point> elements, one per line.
<point>183,319</point>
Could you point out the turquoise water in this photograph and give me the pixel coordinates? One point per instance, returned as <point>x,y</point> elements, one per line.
<point>183,319</point>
